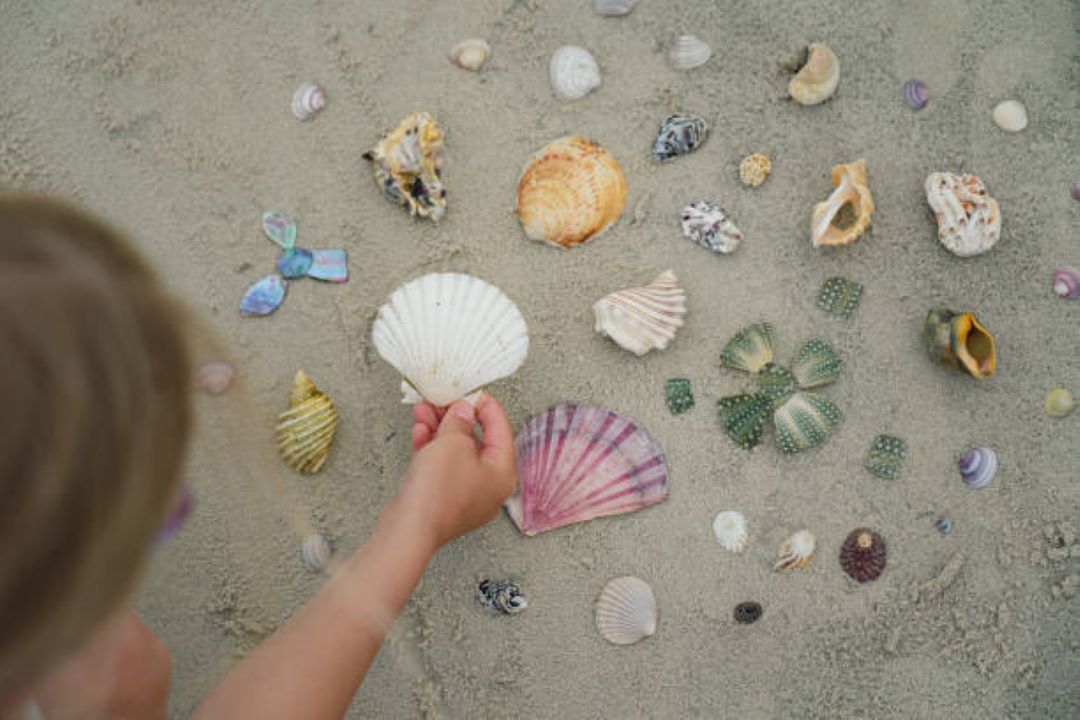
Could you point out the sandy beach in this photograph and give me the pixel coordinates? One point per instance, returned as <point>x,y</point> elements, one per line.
<point>173,121</point>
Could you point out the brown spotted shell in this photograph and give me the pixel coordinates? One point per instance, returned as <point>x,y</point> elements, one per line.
<point>862,556</point>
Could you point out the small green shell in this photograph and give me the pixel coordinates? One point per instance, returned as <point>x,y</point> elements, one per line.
<point>816,364</point>
<point>744,417</point>
<point>750,349</point>
<point>1059,402</point>
<point>804,421</point>
<point>679,396</point>
<point>840,296</point>
<point>886,456</point>
<point>776,383</point>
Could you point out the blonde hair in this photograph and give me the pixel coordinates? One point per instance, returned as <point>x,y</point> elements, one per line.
<point>95,412</point>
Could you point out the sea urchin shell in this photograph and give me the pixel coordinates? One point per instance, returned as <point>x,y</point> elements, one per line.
<point>862,555</point>
<point>747,612</point>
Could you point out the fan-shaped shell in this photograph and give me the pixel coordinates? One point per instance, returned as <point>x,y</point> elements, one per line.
<point>315,551</point>
<point>750,350</point>
<point>688,52</point>
<point>817,80</point>
<point>828,226</point>
<point>406,164</point>
<point>570,192</point>
<point>574,72</point>
<point>306,430</point>
<point>644,318</point>
<point>626,611</point>
<point>729,527</point>
<point>308,99</point>
<point>471,54</point>
<point>612,8</point>
<point>449,335</point>
<point>797,551</point>
<point>578,462</point>
<point>969,220</point>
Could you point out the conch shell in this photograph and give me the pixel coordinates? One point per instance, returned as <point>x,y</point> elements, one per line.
<point>817,80</point>
<point>407,165</point>
<point>960,340</point>
<point>306,430</point>
<point>851,191</point>
<point>645,318</point>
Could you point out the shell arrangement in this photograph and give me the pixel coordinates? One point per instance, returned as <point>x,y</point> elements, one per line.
<point>644,318</point>
<point>678,135</point>
<point>707,224</point>
<point>969,220</point>
<point>802,419</point>
<point>306,430</point>
<point>960,340</point>
<point>574,72</point>
<point>626,611</point>
<point>846,214</point>
<point>817,80</point>
<point>407,166</point>
<point>449,335</point>
<point>570,191</point>
<point>578,462</point>
<point>862,555</point>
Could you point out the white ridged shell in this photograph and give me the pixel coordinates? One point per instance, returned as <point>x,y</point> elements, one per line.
<point>315,551</point>
<point>797,551</point>
<point>471,54</point>
<point>645,318</point>
<point>688,52</point>
<point>449,335</point>
<point>308,99</point>
<point>729,527</point>
<point>626,611</point>
<point>574,72</point>
<point>1010,115</point>
<point>613,8</point>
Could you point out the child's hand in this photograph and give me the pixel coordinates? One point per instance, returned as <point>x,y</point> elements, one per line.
<point>456,483</point>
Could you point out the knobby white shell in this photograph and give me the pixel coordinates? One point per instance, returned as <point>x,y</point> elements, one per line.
<point>729,527</point>
<point>797,551</point>
<point>315,551</point>
<point>613,7</point>
<point>574,72</point>
<point>1010,115</point>
<point>969,220</point>
<point>308,99</point>
<point>449,335</point>
<point>470,54</point>
<point>626,611</point>
<point>645,318</point>
<point>688,52</point>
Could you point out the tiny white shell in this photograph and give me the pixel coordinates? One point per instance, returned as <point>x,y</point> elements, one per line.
<point>730,529</point>
<point>688,52</point>
<point>797,551</point>
<point>308,99</point>
<point>1010,115</point>
<point>470,54</point>
<point>626,611</point>
<point>316,551</point>
<point>574,72</point>
<point>644,318</point>
<point>613,8</point>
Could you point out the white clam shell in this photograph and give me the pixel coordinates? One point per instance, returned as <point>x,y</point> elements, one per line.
<point>315,551</point>
<point>645,318</point>
<point>688,52</point>
<point>613,8</point>
<point>449,335</point>
<point>471,54</point>
<point>969,220</point>
<point>308,99</point>
<point>729,527</point>
<point>626,611</point>
<point>574,72</point>
<point>797,551</point>
<point>1010,115</point>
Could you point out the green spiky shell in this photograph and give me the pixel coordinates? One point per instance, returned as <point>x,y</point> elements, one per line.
<point>679,396</point>
<point>804,421</point>
<point>840,296</point>
<point>776,383</point>
<point>744,417</point>
<point>750,349</point>
<point>816,364</point>
<point>886,456</point>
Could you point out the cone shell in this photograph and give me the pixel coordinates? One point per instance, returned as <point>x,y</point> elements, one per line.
<point>449,335</point>
<point>688,52</point>
<point>306,430</point>
<point>817,80</point>
<point>729,527</point>
<point>960,340</point>
<point>645,318</point>
<point>308,99</point>
<point>471,54</point>
<point>626,611</point>
<point>969,220</point>
<point>406,164</point>
<point>754,169</point>
<point>570,192</point>
<point>862,555</point>
<point>574,72</point>
<point>851,190</point>
<point>797,551</point>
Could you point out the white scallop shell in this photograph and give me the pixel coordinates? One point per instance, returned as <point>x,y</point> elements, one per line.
<point>470,54</point>
<point>574,72</point>
<point>645,318</point>
<point>626,611</point>
<point>449,335</point>
<point>797,551</point>
<point>316,551</point>
<point>613,7</point>
<point>688,52</point>
<point>729,527</point>
<point>308,99</point>
<point>1010,115</point>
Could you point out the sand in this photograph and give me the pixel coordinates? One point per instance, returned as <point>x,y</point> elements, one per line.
<point>172,120</point>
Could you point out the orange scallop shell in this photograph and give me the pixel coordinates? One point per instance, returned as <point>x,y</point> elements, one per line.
<point>571,191</point>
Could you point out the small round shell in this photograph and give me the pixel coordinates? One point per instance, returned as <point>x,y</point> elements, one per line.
<point>471,54</point>
<point>574,72</point>
<point>862,555</point>
<point>817,80</point>
<point>613,8</point>
<point>1010,115</point>
<point>315,551</point>
<point>754,169</point>
<point>214,377</point>
<point>797,551</point>
<point>978,467</point>
<point>916,94</point>
<point>729,527</point>
<point>1059,402</point>
<point>1067,283</point>
<point>688,52</point>
<point>626,611</point>
<point>308,99</point>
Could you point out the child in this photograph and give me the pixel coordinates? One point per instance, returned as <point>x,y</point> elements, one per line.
<point>95,382</point>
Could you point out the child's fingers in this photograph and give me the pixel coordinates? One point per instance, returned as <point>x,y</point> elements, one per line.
<point>426,414</point>
<point>421,436</point>
<point>459,418</point>
<point>498,442</point>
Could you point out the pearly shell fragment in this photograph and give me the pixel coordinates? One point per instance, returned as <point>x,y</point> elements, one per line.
<point>688,52</point>
<point>315,551</point>
<point>626,611</point>
<point>1067,283</point>
<point>471,54</point>
<point>729,527</point>
<point>214,377</point>
<point>754,169</point>
<point>574,72</point>
<point>1010,115</point>
<point>969,220</point>
<point>306,430</point>
<point>264,297</point>
<point>916,94</point>
<point>679,135</point>
<point>817,80</point>
<point>613,8</point>
<point>308,99</point>
<point>797,551</point>
<point>1059,402</point>
<point>978,467</point>
<point>644,318</point>
<point>407,166</point>
<point>707,224</point>
<point>829,225</point>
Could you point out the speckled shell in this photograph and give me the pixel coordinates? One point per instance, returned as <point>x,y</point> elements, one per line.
<point>306,430</point>
<point>862,555</point>
<point>570,192</point>
<point>406,164</point>
<point>754,169</point>
<point>215,376</point>
<point>851,188</point>
<point>626,611</point>
<point>471,54</point>
<point>1010,115</point>
<point>817,80</point>
<point>315,551</point>
<point>729,527</point>
<point>678,135</point>
<point>797,551</point>
<point>1059,402</point>
<point>574,72</point>
<point>687,52</point>
<point>707,224</point>
<point>969,220</point>
<point>644,318</point>
<point>613,8</point>
<point>308,99</point>
<point>1067,283</point>
<point>978,467</point>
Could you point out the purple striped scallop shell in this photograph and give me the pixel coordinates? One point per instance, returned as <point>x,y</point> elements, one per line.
<point>978,466</point>
<point>916,94</point>
<point>1067,283</point>
<point>578,462</point>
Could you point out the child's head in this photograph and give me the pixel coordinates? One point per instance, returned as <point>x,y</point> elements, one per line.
<point>94,417</point>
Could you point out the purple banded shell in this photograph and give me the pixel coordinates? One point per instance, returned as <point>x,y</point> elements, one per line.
<point>1067,283</point>
<point>1076,191</point>
<point>329,266</point>
<point>578,462</point>
<point>308,99</point>
<point>916,94</point>
<point>214,377</point>
<point>295,263</point>
<point>263,297</point>
<point>977,467</point>
<point>178,515</point>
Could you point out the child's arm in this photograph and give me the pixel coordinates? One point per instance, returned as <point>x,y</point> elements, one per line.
<point>312,666</point>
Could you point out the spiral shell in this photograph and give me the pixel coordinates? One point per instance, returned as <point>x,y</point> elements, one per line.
<point>315,551</point>
<point>1067,283</point>
<point>688,52</point>
<point>471,54</point>
<point>817,80</point>
<point>644,318</point>
<point>729,527</point>
<point>978,467</point>
<point>916,94</point>
<point>863,554</point>
<point>754,169</point>
<point>306,430</point>
<point>797,551</point>
<point>574,72</point>
<point>308,99</point>
<point>613,8</point>
<point>626,611</point>
<point>828,226</point>
<point>1059,402</point>
<point>570,192</point>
